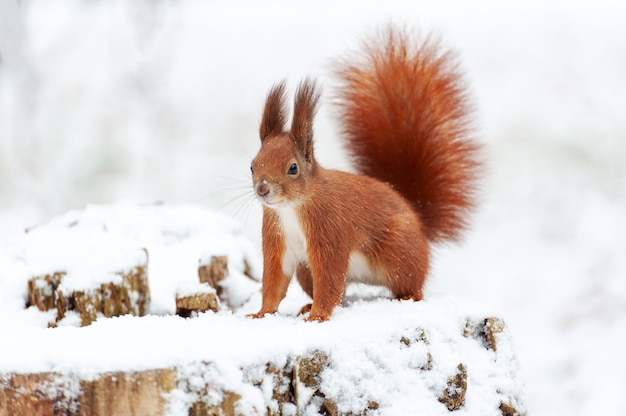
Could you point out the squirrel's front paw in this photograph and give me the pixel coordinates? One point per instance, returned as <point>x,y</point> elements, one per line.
<point>257,315</point>
<point>316,318</point>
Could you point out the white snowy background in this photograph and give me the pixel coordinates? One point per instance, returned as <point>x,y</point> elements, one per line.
<point>160,101</point>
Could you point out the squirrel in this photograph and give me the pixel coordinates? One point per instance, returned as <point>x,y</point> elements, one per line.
<point>406,126</point>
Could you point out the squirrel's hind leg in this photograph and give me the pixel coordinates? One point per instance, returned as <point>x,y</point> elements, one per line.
<point>303,274</point>
<point>405,255</point>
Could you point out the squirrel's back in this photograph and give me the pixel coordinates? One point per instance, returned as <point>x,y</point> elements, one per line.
<point>405,120</point>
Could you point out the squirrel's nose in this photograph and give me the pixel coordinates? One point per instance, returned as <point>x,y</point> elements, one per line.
<point>262,189</point>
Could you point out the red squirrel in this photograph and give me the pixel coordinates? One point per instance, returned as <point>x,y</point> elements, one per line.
<point>405,121</point>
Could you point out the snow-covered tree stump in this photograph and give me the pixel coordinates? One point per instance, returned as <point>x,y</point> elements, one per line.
<point>214,272</point>
<point>446,364</point>
<point>196,298</point>
<point>117,393</point>
<point>375,355</point>
<point>93,263</point>
<point>124,292</point>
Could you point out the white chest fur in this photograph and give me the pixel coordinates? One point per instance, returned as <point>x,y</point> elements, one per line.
<point>295,241</point>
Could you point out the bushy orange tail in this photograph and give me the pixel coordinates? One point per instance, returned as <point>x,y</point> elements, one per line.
<point>406,121</point>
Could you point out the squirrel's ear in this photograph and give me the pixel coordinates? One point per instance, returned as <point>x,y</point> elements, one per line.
<point>274,113</point>
<point>305,107</point>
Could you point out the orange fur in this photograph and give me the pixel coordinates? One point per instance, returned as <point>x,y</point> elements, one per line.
<point>405,122</point>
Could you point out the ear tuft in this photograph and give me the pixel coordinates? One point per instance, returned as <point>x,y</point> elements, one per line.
<point>305,107</point>
<point>274,113</point>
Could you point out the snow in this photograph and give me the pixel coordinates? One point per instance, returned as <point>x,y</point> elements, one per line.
<point>218,349</point>
<point>93,245</point>
<point>159,101</point>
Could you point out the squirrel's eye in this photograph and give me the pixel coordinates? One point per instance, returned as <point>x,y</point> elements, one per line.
<point>293,169</point>
<point>251,169</point>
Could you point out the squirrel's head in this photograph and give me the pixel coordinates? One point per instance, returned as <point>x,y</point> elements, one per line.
<point>284,166</point>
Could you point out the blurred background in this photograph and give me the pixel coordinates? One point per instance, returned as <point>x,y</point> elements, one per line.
<point>147,100</point>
